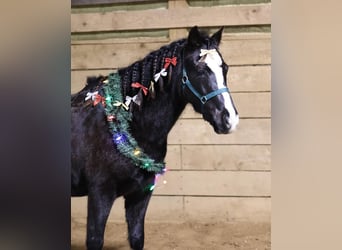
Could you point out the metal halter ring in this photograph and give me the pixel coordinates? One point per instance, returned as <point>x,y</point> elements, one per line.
<point>184,79</point>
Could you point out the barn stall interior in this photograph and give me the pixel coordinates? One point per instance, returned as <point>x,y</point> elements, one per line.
<point>217,191</point>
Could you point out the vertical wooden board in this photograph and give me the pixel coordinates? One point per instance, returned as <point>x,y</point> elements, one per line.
<point>216,183</point>
<point>226,157</point>
<point>197,131</point>
<point>173,157</point>
<point>224,209</point>
<point>177,33</point>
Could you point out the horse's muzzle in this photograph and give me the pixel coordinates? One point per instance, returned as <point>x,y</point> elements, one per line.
<point>228,123</point>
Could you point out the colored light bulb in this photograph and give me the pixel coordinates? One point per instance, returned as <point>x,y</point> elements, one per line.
<point>119,138</point>
<point>136,152</point>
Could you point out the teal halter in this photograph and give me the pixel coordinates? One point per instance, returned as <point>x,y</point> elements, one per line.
<point>186,83</point>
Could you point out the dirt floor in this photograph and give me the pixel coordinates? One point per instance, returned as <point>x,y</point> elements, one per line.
<point>184,236</point>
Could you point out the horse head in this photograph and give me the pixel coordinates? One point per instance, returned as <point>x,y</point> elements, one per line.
<point>204,81</point>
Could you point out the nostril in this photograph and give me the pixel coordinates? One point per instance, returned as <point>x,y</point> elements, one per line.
<point>225,117</point>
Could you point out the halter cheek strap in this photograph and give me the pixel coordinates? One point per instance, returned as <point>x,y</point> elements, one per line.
<point>204,98</point>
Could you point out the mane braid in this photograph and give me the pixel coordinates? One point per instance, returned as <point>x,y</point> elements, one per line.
<point>144,70</point>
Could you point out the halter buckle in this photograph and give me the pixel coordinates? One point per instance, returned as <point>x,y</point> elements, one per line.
<point>204,99</point>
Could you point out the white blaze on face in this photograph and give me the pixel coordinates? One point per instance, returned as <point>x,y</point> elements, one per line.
<point>214,62</point>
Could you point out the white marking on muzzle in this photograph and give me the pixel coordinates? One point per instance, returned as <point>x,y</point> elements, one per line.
<point>214,62</point>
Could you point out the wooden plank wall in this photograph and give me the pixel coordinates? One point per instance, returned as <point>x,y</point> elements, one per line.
<point>211,177</point>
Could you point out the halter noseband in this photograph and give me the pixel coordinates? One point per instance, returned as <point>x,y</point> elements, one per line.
<point>186,83</point>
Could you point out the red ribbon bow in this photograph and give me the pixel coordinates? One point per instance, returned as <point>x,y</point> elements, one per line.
<point>98,98</point>
<point>169,61</point>
<point>111,118</point>
<point>138,85</point>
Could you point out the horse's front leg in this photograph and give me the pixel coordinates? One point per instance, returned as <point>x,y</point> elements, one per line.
<point>99,205</point>
<point>136,206</point>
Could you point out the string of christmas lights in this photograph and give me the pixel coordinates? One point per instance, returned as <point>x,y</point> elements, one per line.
<point>118,118</point>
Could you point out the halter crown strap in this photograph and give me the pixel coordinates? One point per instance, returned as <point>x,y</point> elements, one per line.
<point>186,83</point>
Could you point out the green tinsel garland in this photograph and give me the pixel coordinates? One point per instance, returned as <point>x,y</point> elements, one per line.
<point>119,125</point>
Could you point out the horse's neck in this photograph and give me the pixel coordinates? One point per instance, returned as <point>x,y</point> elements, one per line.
<point>152,123</point>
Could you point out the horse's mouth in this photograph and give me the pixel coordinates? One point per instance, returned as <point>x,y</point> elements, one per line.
<point>222,130</point>
<point>226,127</point>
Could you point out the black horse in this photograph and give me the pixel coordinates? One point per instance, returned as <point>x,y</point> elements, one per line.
<point>120,125</point>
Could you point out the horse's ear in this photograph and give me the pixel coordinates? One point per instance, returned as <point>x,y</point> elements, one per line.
<point>194,37</point>
<point>216,37</point>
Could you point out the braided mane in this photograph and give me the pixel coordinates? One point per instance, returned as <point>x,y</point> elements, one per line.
<point>142,71</point>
